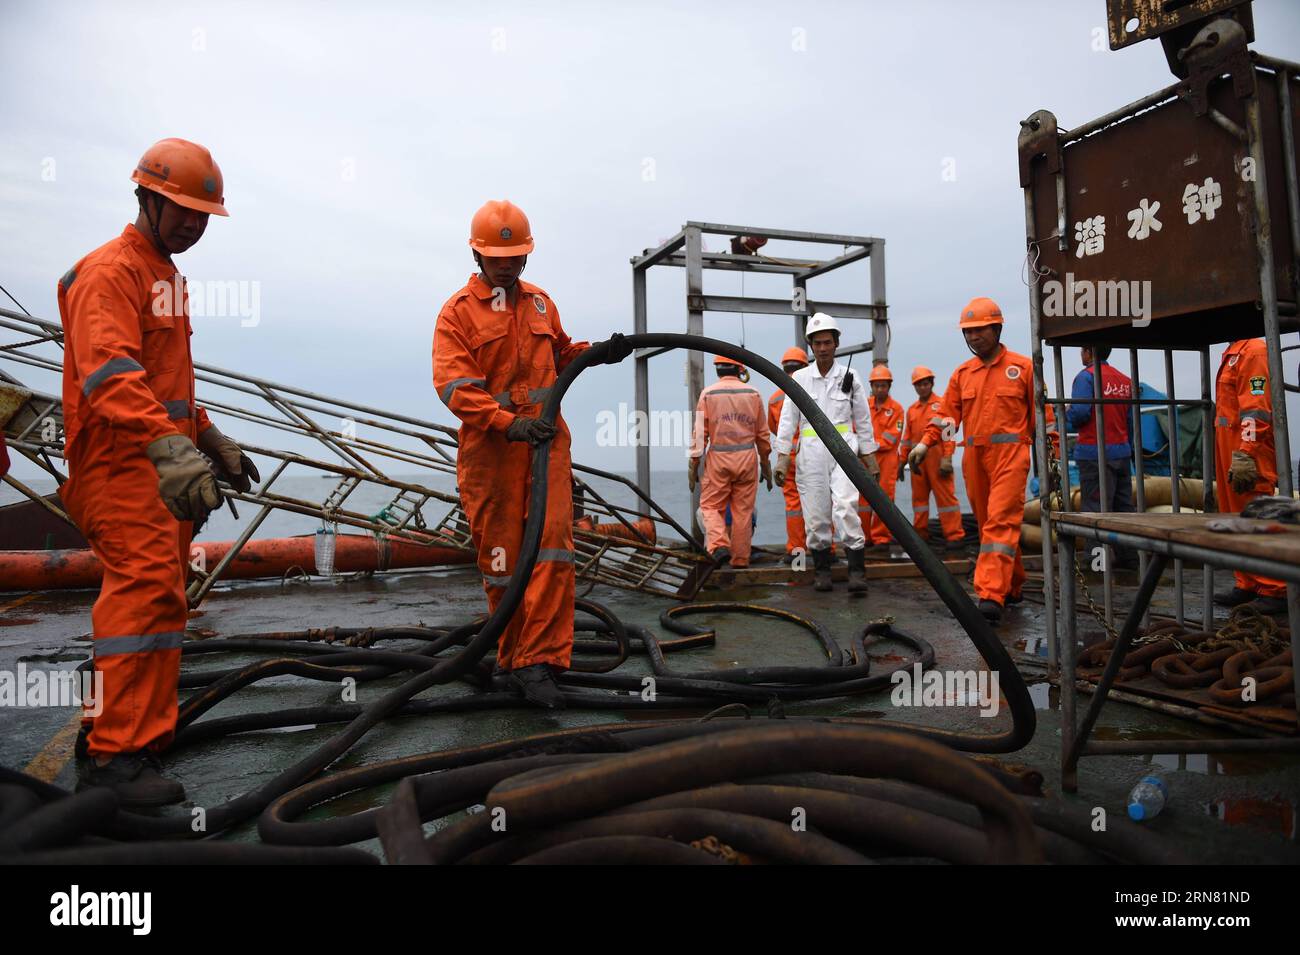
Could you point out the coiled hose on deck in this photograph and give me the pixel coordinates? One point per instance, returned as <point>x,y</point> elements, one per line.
<point>470,643</point>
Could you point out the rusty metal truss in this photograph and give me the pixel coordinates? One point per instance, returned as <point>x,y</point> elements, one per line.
<point>626,546</point>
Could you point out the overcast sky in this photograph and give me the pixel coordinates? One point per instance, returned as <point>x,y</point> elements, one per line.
<point>357,140</point>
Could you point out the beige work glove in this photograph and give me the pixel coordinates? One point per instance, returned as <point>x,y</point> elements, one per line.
<point>917,455</point>
<point>185,482</point>
<point>1242,472</point>
<point>945,466</point>
<point>693,473</point>
<point>869,462</point>
<point>782,469</point>
<point>233,466</point>
<point>765,468</point>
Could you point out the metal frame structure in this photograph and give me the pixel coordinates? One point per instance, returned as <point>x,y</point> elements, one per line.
<point>1075,741</point>
<point>686,250</point>
<point>1062,625</point>
<point>389,441</point>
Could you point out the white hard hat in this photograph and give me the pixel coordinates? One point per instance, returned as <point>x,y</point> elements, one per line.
<point>821,322</point>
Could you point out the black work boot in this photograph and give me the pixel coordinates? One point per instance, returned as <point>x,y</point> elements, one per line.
<point>991,610</point>
<point>721,556</point>
<point>538,686</point>
<point>857,571</point>
<point>134,777</point>
<point>822,569</point>
<point>1234,597</point>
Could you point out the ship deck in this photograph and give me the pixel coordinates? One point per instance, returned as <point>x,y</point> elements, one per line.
<point>1258,793</point>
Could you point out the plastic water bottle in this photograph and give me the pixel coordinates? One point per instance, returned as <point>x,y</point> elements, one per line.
<point>325,550</point>
<point>1147,798</point>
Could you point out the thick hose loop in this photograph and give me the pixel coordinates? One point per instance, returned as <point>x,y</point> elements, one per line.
<point>963,609</point>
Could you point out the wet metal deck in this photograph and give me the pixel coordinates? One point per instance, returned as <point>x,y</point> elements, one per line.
<point>51,629</point>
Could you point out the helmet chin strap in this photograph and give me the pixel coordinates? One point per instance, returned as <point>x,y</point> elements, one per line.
<point>153,222</point>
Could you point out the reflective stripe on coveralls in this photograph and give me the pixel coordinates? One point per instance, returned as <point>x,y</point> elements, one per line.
<point>929,480</point>
<point>480,352</point>
<point>988,401</point>
<point>887,422</point>
<point>128,379</point>
<point>729,418</point>
<point>826,495</point>
<point>1241,394</point>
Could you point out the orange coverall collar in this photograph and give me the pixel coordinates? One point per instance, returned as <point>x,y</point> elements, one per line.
<point>482,290</point>
<point>163,268</point>
<point>1001,353</point>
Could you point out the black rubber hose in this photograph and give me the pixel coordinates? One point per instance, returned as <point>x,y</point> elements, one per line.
<point>192,853</point>
<point>62,822</point>
<point>963,609</point>
<point>484,637</point>
<point>718,689</point>
<point>15,803</point>
<point>762,838</point>
<point>623,850</point>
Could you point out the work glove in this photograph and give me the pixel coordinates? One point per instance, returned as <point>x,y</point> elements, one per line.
<point>1242,472</point>
<point>765,467</point>
<point>917,455</point>
<point>869,462</point>
<point>945,466</point>
<point>782,469</point>
<point>693,473</point>
<point>614,349</point>
<point>185,482</point>
<point>533,430</point>
<point>233,466</point>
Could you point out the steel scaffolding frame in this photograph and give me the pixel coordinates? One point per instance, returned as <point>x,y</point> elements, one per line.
<point>686,250</point>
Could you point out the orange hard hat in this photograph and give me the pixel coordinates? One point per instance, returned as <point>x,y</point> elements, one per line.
<point>919,372</point>
<point>500,228</point>
<point>795,353</point>
<point>880,373</point>
<point>724,360</point>
<point>979,312</point>
<point>183,172</point>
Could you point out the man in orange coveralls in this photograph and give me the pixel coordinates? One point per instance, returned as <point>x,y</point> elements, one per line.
<point>887,422</point>
<point>497,348</point>
<point>936,472</point>
<point>137,484</point>
<point>729,417</point>
<point>1245,462</point>
<point>991,398</point>
<point>793,359</point>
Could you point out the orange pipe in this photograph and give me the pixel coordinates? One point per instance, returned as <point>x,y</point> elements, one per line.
<point>617,530</point>
<point>71,569</point>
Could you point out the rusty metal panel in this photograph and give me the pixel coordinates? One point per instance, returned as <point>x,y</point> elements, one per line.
<point>1151,18</point>
<point>1159,243</point>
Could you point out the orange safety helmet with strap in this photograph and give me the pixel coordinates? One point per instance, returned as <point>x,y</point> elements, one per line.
<point>794,353</point>
<point>880,373</point>
<point>920,373</point>
<point>980,311</point>
<point>183,172</point>
<point>500,229</point>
